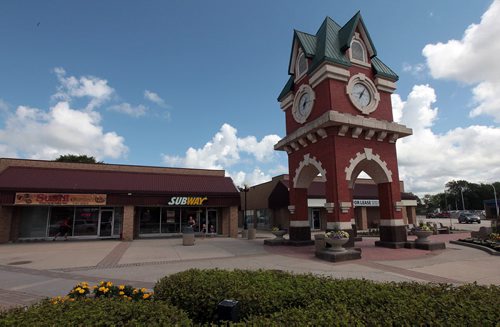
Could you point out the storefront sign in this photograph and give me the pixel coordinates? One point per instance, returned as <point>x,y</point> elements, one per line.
<point>365,203</point>
<point>59,199</point>
<point>187,200</point>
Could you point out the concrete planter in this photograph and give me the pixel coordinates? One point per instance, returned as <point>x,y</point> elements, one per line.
<point>251,233</point>
<point>422,235</point>
<point>336,244</point>
<point>279,233</point>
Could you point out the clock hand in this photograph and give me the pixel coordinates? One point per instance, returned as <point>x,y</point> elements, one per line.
<point>361,94</point>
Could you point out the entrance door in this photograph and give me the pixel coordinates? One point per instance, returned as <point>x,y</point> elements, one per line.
<point>106,223</point>
<point>315,219</point>
<point>212,221</point>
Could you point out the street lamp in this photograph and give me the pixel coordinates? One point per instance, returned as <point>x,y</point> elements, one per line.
<point>462,192</point>
<point>245,189</point>
<point>496,201</point>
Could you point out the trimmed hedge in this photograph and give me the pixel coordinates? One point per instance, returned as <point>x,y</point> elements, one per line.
<point>96,312</point>
<point>296,299</point>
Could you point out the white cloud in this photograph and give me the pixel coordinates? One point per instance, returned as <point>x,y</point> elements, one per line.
<point>4,107</point>
<point>42,134</point>
<point>224,150</point>
<point>417,70</point>
<point>128,109</point>
<point>257,176</point>
<point>92,87</point>
<point>473,60</point>
<point>154,97</point>
<point>428,160</point>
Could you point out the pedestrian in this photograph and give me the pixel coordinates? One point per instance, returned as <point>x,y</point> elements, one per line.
<point>212,230</point>
<point>64,229</point>
<point>203,231</point>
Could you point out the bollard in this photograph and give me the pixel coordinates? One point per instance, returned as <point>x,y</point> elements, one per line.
<point>187,235</point>
<point>228,310</point>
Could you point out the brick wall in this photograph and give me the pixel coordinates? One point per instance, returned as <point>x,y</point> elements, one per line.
<point>5,223</point>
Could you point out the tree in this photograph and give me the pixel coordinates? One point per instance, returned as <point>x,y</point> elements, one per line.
<point>81,158</point>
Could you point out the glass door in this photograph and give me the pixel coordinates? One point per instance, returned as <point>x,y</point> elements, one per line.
<point>212,221</point>
<point>106,223</point>
<point>315,219</point>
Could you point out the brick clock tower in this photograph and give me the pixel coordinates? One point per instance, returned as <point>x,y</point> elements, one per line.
<point>339,122</point>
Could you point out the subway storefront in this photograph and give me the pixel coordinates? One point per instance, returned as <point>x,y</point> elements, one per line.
<point>112,201</point>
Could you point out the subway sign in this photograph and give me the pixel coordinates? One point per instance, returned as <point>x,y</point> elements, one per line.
<point>187,200</point>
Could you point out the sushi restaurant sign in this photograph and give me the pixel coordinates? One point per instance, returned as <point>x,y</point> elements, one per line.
<point>187,200</point>
<point>59,199</point>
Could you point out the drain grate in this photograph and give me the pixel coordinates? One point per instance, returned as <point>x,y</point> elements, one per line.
<point>17,263</point>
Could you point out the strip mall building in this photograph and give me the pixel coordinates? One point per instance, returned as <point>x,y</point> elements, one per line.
<point>111,201</point>
<point>267,204</point>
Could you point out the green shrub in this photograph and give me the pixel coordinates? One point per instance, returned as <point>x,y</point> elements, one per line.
<point>96,312</point>
<point>269,295</point>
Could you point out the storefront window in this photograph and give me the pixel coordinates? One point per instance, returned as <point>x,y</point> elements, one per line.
<point>197,214</point>
<point>263,220</point>
<point>170,220</point>
<point>57,217</point>
<point>33,222</point>
<point>118,221</point>
<point>149,220</point>
<point>86,221</point>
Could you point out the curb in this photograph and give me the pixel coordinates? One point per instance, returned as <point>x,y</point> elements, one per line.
<point>477,246</point>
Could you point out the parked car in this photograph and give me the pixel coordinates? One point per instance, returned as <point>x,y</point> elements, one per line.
<point>443,214</point>
<point>468,218</point>
<point>431,215</point>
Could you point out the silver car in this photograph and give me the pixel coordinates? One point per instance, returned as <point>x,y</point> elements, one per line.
<point>468,218</point>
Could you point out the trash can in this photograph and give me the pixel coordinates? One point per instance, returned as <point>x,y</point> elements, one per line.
<point>187,235</point>
<point>251,233</point>
<point>228,310</point>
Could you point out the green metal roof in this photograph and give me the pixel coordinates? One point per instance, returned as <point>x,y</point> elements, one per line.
<point>288,87</point>
<point>347,31</point>
<point>308,43</point>
<point>330,44</point>
<point>383,70</point>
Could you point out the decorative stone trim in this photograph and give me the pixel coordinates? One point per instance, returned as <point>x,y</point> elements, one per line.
<point>287,149</point>
<point>303,142</point>
<point>367,155</point>
<point>328,71</point>
<point>295,146</point>
<point>312,138</point>
<point>304,163</point>
<point>381,136</point>
<point>299,223</point>
<point>392,222</point>
<point>385,85</point>
<point>322,133</point>
<point>340,225</point>
<point>369,134</point>
<point>356,132</point>
<point>394,137</point>
<point>343,130</point>
<point>345,206</point>
<point>329,206</point>
<point>287,102</point>
<point>291,208</point>
<point>344,122</point>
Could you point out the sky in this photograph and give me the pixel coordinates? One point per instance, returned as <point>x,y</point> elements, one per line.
<point>195,83</point>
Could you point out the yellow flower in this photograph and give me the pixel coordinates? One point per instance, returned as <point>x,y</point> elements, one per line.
<point>143,290</point>
<point>102,288</point>
<point>146,295</point>
<point>109,284</point>
<point>121,293</point>
<point>72,300</point>
<point>82,291</point>
<point>121,287</point>
<point>106,290</point>
<point>101,282</point>
<point>135,291</point>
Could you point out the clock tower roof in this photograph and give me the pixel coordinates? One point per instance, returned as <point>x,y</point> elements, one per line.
<point>329,44</point>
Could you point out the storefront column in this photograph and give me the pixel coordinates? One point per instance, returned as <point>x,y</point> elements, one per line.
<point>364,218</point>
<point>128,223</point>
<point>230,222</point>
<point>5,223</point>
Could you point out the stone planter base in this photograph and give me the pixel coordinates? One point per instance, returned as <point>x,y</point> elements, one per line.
<point>275,241</point>
<point>429,246</point>
<point>331,256</point>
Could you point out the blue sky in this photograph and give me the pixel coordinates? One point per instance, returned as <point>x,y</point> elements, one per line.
<point>142,82</point>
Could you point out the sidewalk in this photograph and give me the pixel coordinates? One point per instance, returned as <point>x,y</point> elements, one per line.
<point>30,271</point>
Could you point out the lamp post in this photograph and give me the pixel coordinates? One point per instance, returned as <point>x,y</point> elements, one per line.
<point>462,193</point>
<point>446,209</point>
<point>496,201</point>
<point>245,189</point>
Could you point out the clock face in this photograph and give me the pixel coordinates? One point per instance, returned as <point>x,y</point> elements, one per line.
<point>361,95</point>
<point>303,103</point>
